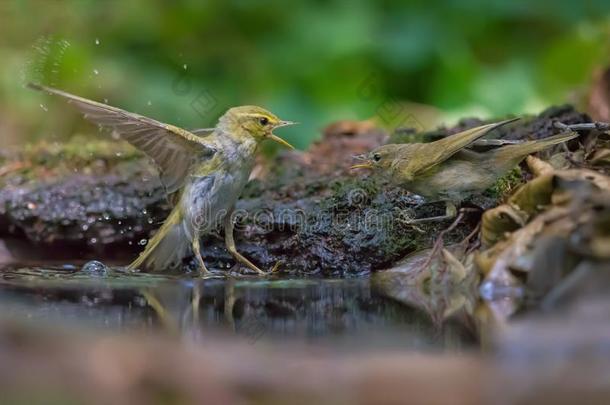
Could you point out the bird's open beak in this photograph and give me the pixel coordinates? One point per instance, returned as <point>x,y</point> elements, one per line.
<point>280,140</point>
<point>277,138</point>
<point>362,166</point>
<point>366,164</point>
<point>285,124</point>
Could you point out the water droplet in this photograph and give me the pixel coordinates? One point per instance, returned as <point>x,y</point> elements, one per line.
<point>105,101</point>
<point>149,102</point>
<point>184,66</point>
<point>45,109</point>
<point>150,220</point>
<point>106,216</point>
<point>96,71</point>
<point>144,211</point>
<point>95,268</point>
<point>93,241</point>
<point>97,41</point>
<point>143,242</point>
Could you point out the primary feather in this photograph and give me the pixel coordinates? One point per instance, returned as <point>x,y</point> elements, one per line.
<point>173,149</point>
<point>423,156</point>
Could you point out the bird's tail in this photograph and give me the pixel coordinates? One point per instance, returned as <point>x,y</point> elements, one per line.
<point>521,150</point>
<point>167,248</point>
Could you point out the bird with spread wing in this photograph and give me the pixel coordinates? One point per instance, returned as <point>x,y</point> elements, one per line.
<point>204,174</point>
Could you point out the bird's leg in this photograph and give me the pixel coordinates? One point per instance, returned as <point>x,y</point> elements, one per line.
<point>203,271</point>
<point>450,213</point>
<point>230,243</point>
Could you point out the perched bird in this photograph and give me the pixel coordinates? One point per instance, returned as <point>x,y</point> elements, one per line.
<point>203,170</point>
<point>444,170</point>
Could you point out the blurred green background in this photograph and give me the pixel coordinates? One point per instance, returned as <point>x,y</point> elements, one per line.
<point>185,62</point>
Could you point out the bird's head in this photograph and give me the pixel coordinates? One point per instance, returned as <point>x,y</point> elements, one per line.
<point>381,158</point>
<point>253,121</point>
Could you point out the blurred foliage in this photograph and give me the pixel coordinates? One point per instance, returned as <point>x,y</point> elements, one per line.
<point>185,62</point>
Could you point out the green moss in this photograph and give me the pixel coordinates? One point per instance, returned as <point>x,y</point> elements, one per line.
<point>81,154</point>
<point>80,151</point>
<point>506,184</point>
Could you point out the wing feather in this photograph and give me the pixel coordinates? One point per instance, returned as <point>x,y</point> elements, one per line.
<point>438,151</point>
<point>173,149</point>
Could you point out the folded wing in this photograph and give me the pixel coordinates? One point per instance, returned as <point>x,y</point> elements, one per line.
<point>441,150</point>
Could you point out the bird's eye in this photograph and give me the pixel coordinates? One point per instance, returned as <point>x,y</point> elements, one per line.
<point>376,157</point>
<point>263,121</point>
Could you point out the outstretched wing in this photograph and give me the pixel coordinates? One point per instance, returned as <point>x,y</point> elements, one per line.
<point>172,148</point>
<point>441,150</point>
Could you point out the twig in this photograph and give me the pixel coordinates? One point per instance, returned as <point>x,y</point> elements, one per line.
<point>600,126</point>
<point>438,244</point>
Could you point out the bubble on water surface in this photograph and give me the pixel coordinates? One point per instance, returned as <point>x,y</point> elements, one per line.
<point>95,268</point>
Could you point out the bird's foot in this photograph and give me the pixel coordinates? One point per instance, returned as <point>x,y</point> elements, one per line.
<point>242,267</point>
<point>260,272</point>
<point>207,274</point>
<point>451,212</point>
